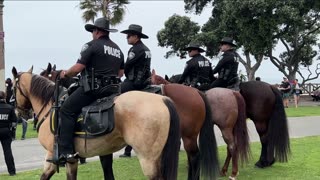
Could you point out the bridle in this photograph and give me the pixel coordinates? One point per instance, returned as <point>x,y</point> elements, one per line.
<point>17,86</point>
<point>26,110</point>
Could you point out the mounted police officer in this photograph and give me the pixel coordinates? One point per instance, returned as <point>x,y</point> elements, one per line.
<point>8,120</point>
<point>137,66</point>
<point>227,67</point>
<point>101,62</point>
<point>198,69</point>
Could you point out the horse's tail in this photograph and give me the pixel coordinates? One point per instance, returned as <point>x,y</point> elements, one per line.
<point>278,135</point>
<point>170,153</point>
<point>209,164</point>
<point>240,130</point>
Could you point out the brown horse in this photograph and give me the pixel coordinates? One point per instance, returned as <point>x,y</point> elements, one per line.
<point>195,116</point>
<point>265,108</point>
<point>228,113</point>
<point>148,122</point>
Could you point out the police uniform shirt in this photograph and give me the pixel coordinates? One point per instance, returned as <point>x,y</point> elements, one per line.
<point>230,60</point>
<point>7,115</point>
<point>139,58</point>
<point>103,55</point>
<point>197,66</point>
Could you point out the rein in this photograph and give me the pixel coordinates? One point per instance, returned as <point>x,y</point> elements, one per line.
<point>25,110</point>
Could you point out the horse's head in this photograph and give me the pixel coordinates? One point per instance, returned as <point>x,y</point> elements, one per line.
<point>174,78</point>
<point>50,73</point>
<point>21,87</point>
<point>156,79</point>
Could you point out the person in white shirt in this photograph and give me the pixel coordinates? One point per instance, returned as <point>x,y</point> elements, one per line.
<point>296,92</point>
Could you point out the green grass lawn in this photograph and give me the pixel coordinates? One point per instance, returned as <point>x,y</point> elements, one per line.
<point>30,132</point>
<point>303,111</point>
<point>304,164</point>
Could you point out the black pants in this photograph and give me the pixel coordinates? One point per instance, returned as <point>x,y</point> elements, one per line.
<point>128,85</point>
<point>219,83</point>
<point>69,113</point>
<point>6,139</point>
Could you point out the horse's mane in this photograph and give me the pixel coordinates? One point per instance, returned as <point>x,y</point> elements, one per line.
<point>42,88</point>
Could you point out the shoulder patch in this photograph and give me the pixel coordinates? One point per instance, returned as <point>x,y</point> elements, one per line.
<point>131,55</point>
<point>84,47</point>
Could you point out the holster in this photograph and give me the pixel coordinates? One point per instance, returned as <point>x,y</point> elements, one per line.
<point>86,81</point>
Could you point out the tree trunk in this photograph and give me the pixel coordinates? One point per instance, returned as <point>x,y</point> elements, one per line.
<point>2,63</point>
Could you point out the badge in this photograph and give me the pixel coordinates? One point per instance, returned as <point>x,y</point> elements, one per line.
<point>131,55</point>
<point>84,47</point>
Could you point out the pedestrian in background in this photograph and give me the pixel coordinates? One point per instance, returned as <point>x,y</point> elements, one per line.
<point>285,88</point>
<point>296,92</point>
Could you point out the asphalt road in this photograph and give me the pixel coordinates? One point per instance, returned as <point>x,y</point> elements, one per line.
<point>29,154</point>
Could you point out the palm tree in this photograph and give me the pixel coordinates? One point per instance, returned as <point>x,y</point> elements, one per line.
<point>113,10</point>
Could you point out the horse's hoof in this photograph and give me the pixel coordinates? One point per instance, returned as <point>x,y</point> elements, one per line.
<point>263,164</point>
<point>223,173</point>
<point>232,178</point>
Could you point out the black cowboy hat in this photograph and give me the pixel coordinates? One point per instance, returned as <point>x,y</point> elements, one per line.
<point>135,29</point>
<point>228,40</point>
<point>192,46</point>
<point>101,24</point>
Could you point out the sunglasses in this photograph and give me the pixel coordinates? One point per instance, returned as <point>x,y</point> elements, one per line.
<point>190,50</point>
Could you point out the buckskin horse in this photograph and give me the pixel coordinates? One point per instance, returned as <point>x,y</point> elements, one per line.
<point>227,111</point>
<point>148,122</point>
<point>265,108</point>
<point>195,118</point>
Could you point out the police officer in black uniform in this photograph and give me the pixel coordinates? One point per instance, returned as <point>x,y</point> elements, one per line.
<point>8,120</point>
<point>99,59</point>
<point>137,66</point>
<point>227,67</point>
<point>10,100</point>
<point>198,70</point>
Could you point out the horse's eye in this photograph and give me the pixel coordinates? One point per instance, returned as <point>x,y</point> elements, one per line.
<point>49,75</point>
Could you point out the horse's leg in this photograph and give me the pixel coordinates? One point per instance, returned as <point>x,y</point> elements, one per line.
<point>235,158</point>
<point>229,139</point>
<point>72,170</point>
<point>49,168</point>
<point>191,147</point>
<point>106,163</point>
<point>150,167</point>
<point>262,131</point>
<point>224,169</point>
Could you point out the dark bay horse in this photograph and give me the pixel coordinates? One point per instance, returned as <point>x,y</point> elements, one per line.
<point>265,108</point>
<point>148,122</point>
<point>228,113</point>
<point>195,119</point>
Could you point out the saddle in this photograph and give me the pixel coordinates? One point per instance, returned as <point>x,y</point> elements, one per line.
<point>234,84</point>
<point>96,119</point>
<point>156,89</point>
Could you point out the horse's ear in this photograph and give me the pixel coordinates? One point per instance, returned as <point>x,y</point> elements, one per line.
<point>153,72</point>
<point>31,69</point>
<point>54,68</point>
<point>166,77</point>
<point>14,72</point>
<point>49,68</point>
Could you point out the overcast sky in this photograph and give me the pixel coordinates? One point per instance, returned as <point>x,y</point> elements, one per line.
<point>53,31</point>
